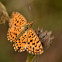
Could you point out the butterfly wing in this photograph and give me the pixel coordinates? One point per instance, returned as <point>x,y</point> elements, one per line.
<point>15,26</point>
<point>13,33</point>
<point>17,20</point>
<point>20,44</point>
<point>28,41</point>
<point>34,45</point>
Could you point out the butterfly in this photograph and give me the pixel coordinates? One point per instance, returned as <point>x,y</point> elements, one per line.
<point>22,35</point>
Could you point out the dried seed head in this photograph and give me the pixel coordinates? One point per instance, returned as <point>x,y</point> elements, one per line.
<point>3,14</point>
<point>45,37</point>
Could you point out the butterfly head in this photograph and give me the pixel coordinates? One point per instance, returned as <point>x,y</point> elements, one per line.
<point>28,25</point>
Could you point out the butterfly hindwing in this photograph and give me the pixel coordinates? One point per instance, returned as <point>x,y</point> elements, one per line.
<point>20,44</point>
<point>34,45</point>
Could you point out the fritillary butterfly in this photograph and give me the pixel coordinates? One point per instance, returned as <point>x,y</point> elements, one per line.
<point>23,36</point>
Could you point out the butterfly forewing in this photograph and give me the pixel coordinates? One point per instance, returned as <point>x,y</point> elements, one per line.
<point>13,33</point>
<point>17,20</point>
<point>15,26</point>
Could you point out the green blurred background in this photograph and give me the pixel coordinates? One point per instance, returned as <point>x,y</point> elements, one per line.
<point>46,14</point>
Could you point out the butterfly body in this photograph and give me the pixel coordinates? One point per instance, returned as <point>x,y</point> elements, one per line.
<point>23,36</point>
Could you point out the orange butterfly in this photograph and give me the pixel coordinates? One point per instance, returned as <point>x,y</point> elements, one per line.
<point>23,36</point>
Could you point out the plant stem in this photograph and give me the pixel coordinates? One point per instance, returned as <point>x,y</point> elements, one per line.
<point>37,58</point>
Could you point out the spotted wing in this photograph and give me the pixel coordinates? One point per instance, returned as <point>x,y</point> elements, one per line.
<point>13,33</point>
<point>17,20</point>
<point>20,44</point>
<point>15,26</point>
<point>34,45</point>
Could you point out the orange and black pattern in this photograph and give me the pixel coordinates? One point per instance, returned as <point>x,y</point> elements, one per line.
<point>28,40</point>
